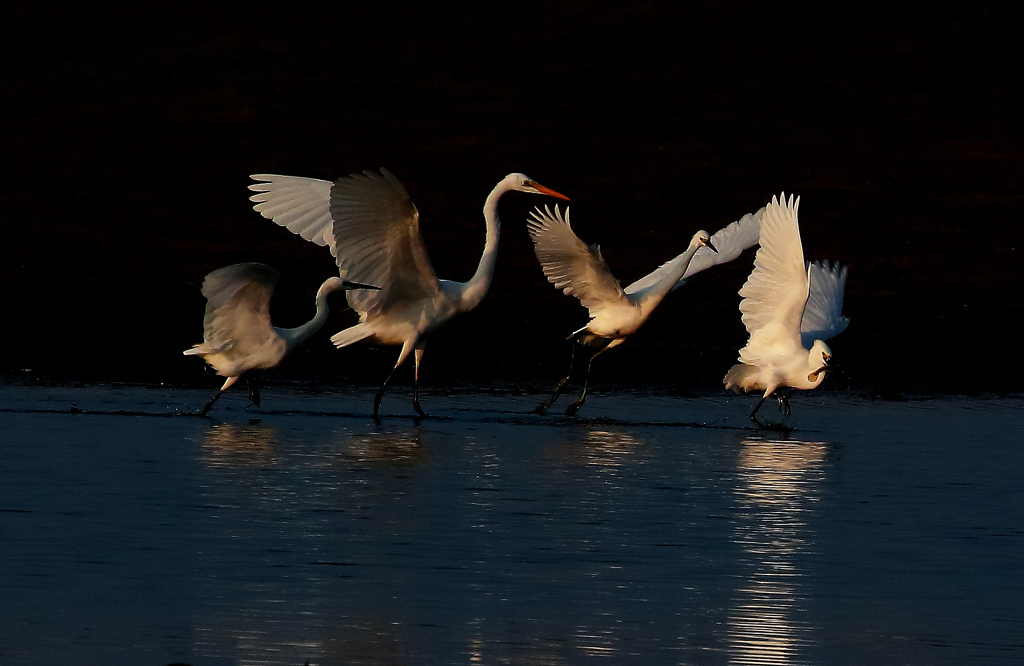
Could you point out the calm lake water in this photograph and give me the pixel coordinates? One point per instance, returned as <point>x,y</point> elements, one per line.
<point>651,530</point>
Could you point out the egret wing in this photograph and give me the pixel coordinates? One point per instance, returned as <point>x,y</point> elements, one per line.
<point>301,205</point>
<point>377,241</point>
<point>238,306</point>
<point>776,291</point>
<point>570,264</point>
<point>823,315</point>
<point>730,241</point>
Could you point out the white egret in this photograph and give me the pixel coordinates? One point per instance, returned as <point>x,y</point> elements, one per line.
<point>372,228</point>
<point>616,313</point>
<point>789,308</point>
<point>238,336</point>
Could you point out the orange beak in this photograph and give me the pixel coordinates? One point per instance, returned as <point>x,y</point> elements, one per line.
<point>546,190</point>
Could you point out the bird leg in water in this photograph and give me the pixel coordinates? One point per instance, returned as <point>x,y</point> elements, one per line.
<point>784,407</point>
<point>753,414</point>
<point>225,387</point>
<point>402,355</point>
<point>575,407</point>
<point>417,356</point>
<point>543,407</point>
<point>254,391</point>
<point>380,394</point>
<point>209,405</point>
<point>784,404</point>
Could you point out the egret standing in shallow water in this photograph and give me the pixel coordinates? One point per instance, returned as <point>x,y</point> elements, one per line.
<point>616,313</point>
<point>789,308</point>
<point>238,336</point>
<point>372,228</point>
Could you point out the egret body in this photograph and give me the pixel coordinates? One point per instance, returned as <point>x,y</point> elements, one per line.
<point>238,335</point>
<point>372,228</point>
<point>790,307</point>
<point>616,312</point>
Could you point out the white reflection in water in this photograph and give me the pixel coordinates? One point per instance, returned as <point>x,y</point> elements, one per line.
<point>354,641</point>
<point>776,494</point>
<point>600,448</point>
<point>385,447</point>
<point>239,445</point>
<point>276,508</point>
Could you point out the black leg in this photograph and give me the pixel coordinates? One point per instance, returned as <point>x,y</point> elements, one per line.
<point>784,404</point>
<point>753,414</point>
<point>575,407</point>
<point>380,394</point>
<point>254,391</point>
<point>543,407</point>
<point>209,405</point>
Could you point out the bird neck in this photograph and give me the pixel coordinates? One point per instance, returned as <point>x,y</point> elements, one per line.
<point>816,369</point>
<point>294,337</point>
<point>649,298</point>
<point>474,291</point>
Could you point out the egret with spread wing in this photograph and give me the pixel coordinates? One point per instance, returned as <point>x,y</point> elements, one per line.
<point>616,313</point>
<point>372,228</point>
<point>238,336</point>
<point>789,308</point>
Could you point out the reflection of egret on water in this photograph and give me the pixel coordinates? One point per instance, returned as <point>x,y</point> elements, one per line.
<point>238,444</point>
<point>776,493</point>
<point>599,447</point>
<point>385,447</point>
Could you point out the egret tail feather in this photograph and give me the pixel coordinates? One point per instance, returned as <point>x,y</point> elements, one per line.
<point>351,335</point>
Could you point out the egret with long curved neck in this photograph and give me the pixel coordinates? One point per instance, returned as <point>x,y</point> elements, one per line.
<point>616,313</point>
<point>238,335</point>
<point>372,228</point>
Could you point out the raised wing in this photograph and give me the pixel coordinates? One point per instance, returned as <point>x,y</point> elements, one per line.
<point>377,241</point>
<point>570,264</point>
<point>238,306</point>
<point>301,205</point>
<point>730,241</point>
<point>823,315</point>
<point>776,291</point>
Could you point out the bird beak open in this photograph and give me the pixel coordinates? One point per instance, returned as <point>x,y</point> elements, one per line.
<point>545,190</point>
<point>359,285</point>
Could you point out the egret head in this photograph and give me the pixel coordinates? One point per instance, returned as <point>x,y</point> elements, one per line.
<point>703,238</point>
<point>818,358</point>
<point>523,183</point>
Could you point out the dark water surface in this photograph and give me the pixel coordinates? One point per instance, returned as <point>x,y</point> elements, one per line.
<point>659,530</point>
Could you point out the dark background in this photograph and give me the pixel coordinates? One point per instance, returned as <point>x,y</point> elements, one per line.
<point>128,136</point>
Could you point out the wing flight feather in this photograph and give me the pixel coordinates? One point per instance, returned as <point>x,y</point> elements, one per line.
<point>238,306</point>
<point>377,241</point>
<point>776,291</point>
<point>301,205</point>
<point>570,264</point>
<point>823,315</point>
